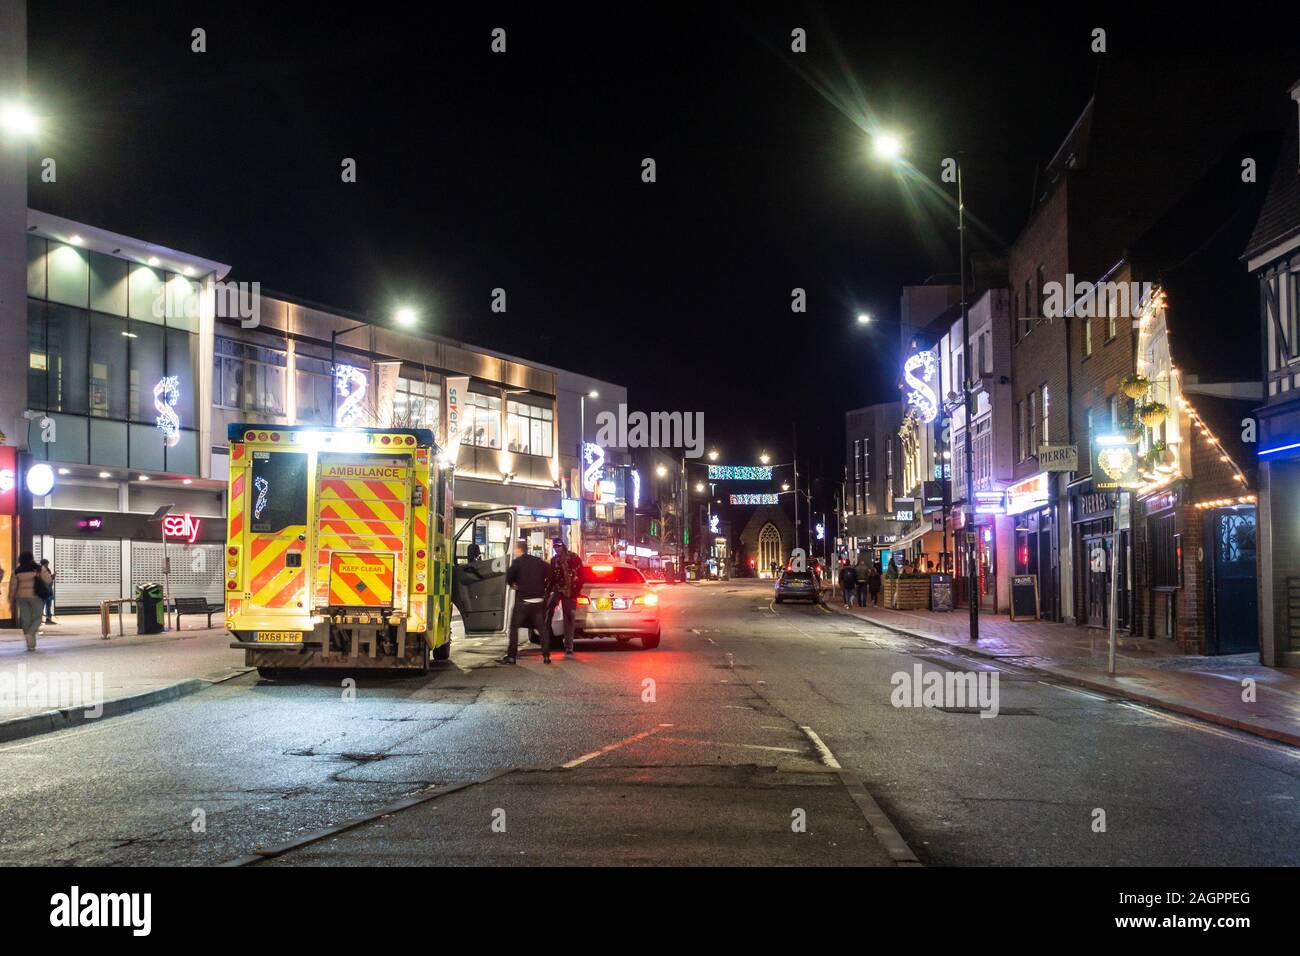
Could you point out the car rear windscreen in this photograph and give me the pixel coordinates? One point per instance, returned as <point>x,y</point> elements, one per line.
<point>618,574</point>
<point>797,576</point>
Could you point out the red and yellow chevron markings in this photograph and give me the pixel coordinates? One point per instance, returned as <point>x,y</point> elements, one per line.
<point>272,583</point>
<point>361,580</point>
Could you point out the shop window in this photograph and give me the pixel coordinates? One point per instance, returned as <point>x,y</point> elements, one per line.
<point>108,368</point>
<point>108,284</point>
<point>1044,406</point>
<point>37,362</point>
<point>147,365</point>
<point>530,429</point>
<point>249,377</point>
<point>182,300</point>
<point>145,295</point>
<point>485,421</point>
<point>67,348</point>
<point>68,275</point>
<point>417,404</point>
<point>312,390</point>
<point>37,250</point>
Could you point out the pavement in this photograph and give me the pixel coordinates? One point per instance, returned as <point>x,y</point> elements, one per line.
<point>75,674</point>
<point>754,734</point>
<point>1232,691</point>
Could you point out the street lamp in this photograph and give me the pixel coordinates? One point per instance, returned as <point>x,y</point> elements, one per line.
<point>18,120</point>
<point>713,454</point>
<point>661,471</point>
<point>764,458</point>
<point>864,318</point>
<point>889,147</point>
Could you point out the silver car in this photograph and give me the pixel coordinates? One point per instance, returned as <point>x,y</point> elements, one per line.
<point>616,601</point>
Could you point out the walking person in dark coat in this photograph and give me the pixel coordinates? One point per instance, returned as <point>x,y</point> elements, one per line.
<point>565,586</point>
<point>848,583</point>
<point>528,576</point>
<point>874,582</point>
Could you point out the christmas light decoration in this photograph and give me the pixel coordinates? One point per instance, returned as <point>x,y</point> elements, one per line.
<point>165,396</point>
<point>740,473</point>
<point>754,499</point>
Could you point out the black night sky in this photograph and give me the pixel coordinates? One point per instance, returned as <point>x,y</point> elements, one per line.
<point>522,170</point>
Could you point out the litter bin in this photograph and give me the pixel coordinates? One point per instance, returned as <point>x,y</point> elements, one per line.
<point>150,609</point>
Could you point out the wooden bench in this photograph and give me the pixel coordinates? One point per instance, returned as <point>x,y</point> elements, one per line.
<point>193,605</point>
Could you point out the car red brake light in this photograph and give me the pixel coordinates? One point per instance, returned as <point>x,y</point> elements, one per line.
<point>602,568</point>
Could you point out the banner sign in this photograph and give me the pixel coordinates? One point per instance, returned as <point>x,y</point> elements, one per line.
<point>1114,463</point>
<point>1058,457</point>
<point>457,418</point>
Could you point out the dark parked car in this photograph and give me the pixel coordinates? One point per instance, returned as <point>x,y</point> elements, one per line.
<point>797,586</point>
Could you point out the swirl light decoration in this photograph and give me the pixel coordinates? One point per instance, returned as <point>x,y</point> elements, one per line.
<point>351,384</point>
<point>594,456</point>
<point>165,396</point>
<point>922,397</point>
<point>263,487</point>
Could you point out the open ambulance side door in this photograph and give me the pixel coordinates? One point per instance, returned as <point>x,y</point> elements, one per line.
<point>478,587</point>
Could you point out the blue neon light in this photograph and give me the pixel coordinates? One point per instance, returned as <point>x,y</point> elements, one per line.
<point>1273,451</point>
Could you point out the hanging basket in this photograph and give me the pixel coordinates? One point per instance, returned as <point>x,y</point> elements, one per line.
<point>1134,386</point>
<point>1153,413</point>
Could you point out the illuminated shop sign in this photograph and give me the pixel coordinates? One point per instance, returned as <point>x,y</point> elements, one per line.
<point>990,503</point>
<point>184,526</point>
<point>1027,494</point>
<point>94,523</point>
<point>904,509</point>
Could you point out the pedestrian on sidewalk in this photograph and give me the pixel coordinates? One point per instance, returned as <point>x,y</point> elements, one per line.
<point>28,589</point>
<point>873,584</point>
<point>848,584</point>
<point>49,601</point>
<point>861,573</point>
<point>527,576</point>
<point>565,583</point>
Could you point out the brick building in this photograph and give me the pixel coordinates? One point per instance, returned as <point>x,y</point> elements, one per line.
<point>1099,201</point>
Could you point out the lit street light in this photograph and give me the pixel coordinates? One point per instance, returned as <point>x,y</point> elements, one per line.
<point>888,146</point>
<point>17,120</point>
<point>713,455</point>
<point>764,458</point>
<point>863,318</point>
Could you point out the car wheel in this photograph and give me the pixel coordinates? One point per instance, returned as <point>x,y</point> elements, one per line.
<point>650,641</point>
<point>443,651</point>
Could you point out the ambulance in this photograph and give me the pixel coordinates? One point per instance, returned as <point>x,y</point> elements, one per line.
<point>341,551</point>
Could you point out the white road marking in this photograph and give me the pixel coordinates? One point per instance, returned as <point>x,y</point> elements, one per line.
<point>828,758</point>
<point>614,746</point>
<point>724,743</point>
<point>1238,736</point>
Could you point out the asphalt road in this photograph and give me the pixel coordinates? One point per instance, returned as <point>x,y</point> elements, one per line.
<point>719,747</point>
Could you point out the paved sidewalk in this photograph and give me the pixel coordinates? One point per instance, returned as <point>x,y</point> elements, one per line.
<point>1147,670</point>
<point>73,671</point>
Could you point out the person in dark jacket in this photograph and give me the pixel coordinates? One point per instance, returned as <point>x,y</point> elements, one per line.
<point>528,576</point>
<point>565,585</point>
<point>874,582</point>
<point>848,583</point>
<point>49,601</point>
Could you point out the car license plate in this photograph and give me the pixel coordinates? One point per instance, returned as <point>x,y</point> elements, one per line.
<point>797,584</point>
<point>620,604</point>
<point>602,604</point>
<point>279,637</point>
